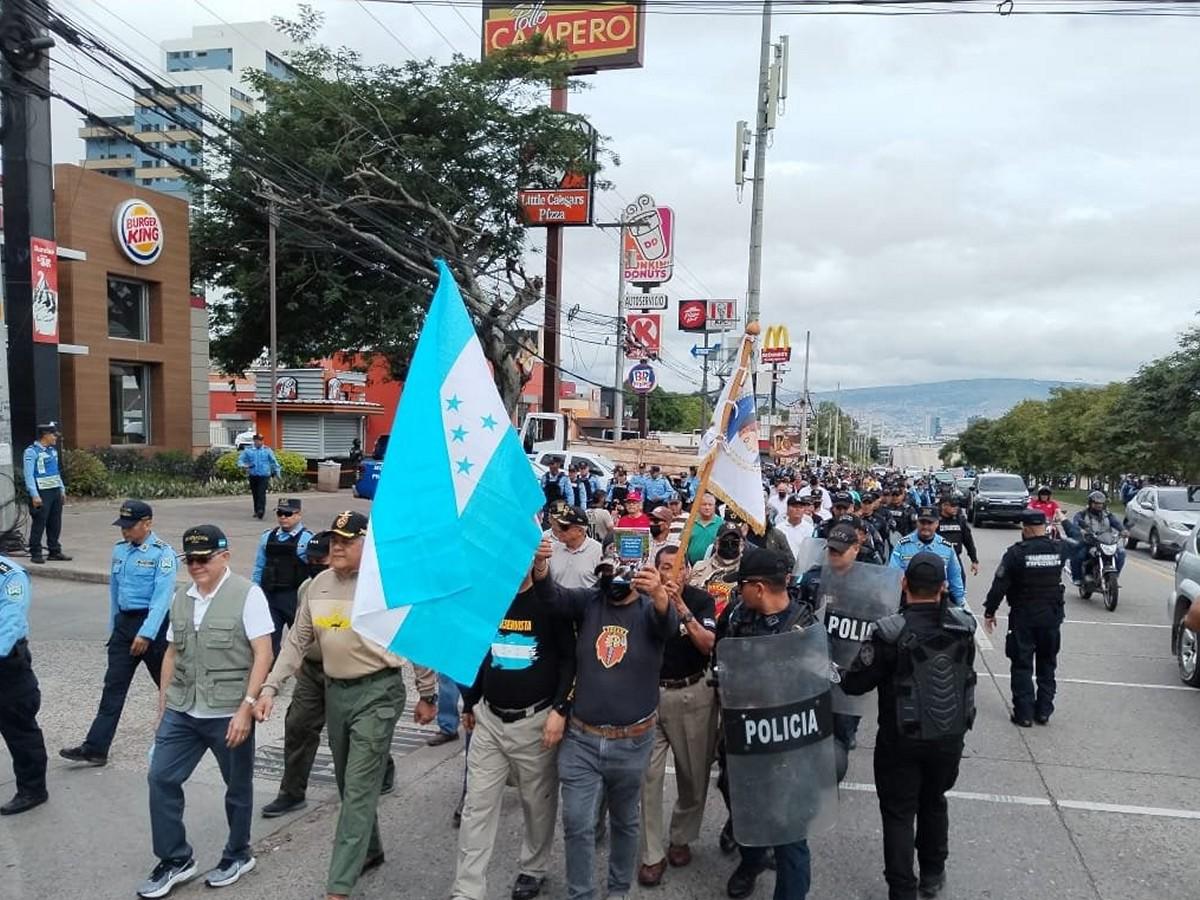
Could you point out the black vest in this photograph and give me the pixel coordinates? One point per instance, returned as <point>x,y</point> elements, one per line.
<point>1036,574</point>
<point>934,679</point>
<point>951,530</point>
<point>283,570</point>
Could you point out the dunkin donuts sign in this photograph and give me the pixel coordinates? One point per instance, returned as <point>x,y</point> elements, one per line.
<point>138,231</point>
<point>595,35</point>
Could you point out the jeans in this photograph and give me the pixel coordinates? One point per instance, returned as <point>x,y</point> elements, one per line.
<point>591,767</point>
<point>1080,553</point>
<point>447,706</point>
<point>793,868</point>
<point>122,666</point>
<point>179,744</point>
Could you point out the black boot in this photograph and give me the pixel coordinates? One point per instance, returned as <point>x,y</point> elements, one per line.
<point>741,882</point>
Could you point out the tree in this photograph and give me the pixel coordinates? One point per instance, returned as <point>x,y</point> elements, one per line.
<point>376,171</point>
<point>668,411</point>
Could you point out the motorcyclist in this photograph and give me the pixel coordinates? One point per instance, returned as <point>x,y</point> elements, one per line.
<point>1095,520</point>
<point>1045,505</point>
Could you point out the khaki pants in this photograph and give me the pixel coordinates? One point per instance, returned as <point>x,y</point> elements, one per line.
<point>496,748</point>
<point>687,726</point>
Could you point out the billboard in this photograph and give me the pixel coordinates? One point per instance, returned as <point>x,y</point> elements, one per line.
<point>645,335</point>
<point>649,242</point>
<point>777,347</point>
<point>693,315</point>
<point>570,203</point>
<point>595,35</point>
<point>43,263</point>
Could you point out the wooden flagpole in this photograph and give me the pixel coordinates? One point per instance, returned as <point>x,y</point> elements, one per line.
<point>739,375</point>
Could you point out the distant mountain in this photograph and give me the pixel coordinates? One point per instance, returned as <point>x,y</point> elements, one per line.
<point>903,409</point>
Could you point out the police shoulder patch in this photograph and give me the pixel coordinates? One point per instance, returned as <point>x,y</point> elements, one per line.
<point>867,654</point>
<point>167,563</point>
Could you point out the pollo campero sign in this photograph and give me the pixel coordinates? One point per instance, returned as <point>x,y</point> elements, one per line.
<point>596,35</point>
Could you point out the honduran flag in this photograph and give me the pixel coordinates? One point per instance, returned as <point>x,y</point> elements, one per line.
<point>453,530</point>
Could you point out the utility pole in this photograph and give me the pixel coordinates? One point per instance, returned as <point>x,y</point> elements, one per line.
<point>704,386</point>
<point>804,400</point>
<point>837,420</point>
<point>551,320</point>
<point>272,225</point>
<point>772,90</point>
<point>619,362</point>
<point>29,383</point>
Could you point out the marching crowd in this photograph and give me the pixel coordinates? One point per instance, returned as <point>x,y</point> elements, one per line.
<point>605,666</point>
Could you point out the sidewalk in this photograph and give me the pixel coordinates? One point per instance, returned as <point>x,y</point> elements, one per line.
<point>88,534</point>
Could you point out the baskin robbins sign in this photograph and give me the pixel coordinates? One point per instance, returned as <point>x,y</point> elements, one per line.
<point>138,231</point>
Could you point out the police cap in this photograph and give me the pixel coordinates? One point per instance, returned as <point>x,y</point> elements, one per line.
<point>729,528</point>
<point>928,513</point>
<point>48,428</point>
<point>797,500</point>
<point>132,512</point>
<point>288,505</point>
<point>204,540</point>
<point>841,536</point>
<point>349,524</point>
<point>318,546</point>
<point>842,498</point>
<point>1033,517</point>
<point>925,571</point>
<point>853,521</point>
<point>758,562</point>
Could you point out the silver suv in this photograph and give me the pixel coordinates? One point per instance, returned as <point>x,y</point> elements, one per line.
<point>1185,643</point>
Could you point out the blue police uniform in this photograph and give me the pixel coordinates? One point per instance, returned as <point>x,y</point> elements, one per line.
<point>140,587</point>
<point>656,490</point>
<point>690,485</point>
<point>911,544</point>
<point>562,482</point>
<point>43,480</point>
<point>260,464</point>
<point>20,696</point>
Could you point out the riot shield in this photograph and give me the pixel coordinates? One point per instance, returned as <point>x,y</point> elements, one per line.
<point>811,553</point>
<point>778,726</point>
<point>853,601</point>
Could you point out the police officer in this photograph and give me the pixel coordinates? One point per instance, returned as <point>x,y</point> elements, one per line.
<point>922,659</point>
<point>770,608</point>
<point>20,697</point>
<point>556,485</point>
<point>140,588</point>
<point>44,482</point>
<point>954,529</point>
<point>902,514</point>
<point>926,538</point>
<point>841,504</point>
<point>1030,577</point>
<point>260,464</point>
<point>282,565</point>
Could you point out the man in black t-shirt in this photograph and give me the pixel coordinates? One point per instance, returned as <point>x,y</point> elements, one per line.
<point>516,712</point>
<point>621,624</point>
<point>687,727</point>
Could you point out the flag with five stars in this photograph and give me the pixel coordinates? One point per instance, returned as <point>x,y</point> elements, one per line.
<point>453,528</point>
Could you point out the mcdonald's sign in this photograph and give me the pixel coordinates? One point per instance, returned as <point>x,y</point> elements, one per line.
<point>777,347</point>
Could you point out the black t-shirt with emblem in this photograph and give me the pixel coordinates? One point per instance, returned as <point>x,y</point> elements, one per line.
<point>681,659</point>
<point>618,651</point>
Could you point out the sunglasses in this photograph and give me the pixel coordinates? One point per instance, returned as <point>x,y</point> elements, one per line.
<point>285,513</point>
<point>197,560</point>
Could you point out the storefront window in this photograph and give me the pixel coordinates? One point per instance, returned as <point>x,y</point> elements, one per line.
<point>129,403</point>
<point>128,309</point>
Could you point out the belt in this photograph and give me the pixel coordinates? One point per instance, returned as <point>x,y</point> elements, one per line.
<point>674,684</point>
<point>508,716</point>
<point>382,673</point>
<point>616,732</point>
<point>141,611</point>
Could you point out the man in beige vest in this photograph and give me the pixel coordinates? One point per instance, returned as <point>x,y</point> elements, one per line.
<point>364,696</point>
<point>218,655</point>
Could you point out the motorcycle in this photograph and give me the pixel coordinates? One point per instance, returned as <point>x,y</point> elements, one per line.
<point>1100,568</point>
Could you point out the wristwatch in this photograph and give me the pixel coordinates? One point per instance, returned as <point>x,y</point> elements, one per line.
<point>687,618</point>
<point>250,700</point>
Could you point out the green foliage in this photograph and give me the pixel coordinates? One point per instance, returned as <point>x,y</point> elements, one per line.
<point>227,468</point>
<point>380,169</point>
<point>669,411</point>
<point>1150,424</point>
<point>86,475</point>
<point>291,463</point>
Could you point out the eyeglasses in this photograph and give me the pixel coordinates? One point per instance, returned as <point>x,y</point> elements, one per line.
<point>197,560</point>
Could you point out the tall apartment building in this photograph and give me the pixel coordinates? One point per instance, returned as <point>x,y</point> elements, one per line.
<point>206,73</point>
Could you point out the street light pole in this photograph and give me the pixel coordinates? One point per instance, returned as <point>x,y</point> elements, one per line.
<point>763,127</point>
<point>272,224</point>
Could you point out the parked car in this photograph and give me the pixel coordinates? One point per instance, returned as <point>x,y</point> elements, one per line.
<point>999,497</point>
<point>966,487</point>
<point>1185,643</point>
<point>1163,517</point>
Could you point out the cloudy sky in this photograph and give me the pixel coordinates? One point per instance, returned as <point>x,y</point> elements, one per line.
<point>947,197</point>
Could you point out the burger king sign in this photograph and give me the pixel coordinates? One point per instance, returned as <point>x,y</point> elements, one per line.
<point>138,231</point>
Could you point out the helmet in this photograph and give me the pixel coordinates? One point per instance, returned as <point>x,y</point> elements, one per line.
<point>1045,489</point>
<point>1097,497</point>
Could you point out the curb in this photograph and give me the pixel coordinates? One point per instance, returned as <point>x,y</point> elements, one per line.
<point>60,574</point>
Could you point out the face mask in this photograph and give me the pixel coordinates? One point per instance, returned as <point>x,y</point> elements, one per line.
<point>316,568</point>
<point>728,548</point>
<point>613,590</point>
<point>657,529</point>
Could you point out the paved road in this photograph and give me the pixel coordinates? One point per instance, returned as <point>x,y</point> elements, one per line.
<point>1101,804</point>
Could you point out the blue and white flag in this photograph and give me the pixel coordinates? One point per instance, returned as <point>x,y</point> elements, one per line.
<point>453,527</point>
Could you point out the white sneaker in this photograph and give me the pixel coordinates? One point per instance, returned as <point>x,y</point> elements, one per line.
<point>228,871</point>
<point>164,878</point>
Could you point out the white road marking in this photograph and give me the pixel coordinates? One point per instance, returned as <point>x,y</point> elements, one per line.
<point>982,641</point>
<point>1091,622</point>
<point>1124,684</point>
<point>1085,805</point>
